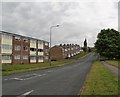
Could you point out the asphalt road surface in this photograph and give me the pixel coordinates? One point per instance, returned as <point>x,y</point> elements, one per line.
<point>64,80</point>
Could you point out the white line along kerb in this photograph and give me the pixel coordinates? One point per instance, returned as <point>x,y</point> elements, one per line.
<point>27,93</point>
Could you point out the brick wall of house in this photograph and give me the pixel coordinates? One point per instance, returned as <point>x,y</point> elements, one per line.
<point>59,52</point>
<point>20,52</point>
<point>46,51</point>
<point>56,53</point>
<point>24,52</point>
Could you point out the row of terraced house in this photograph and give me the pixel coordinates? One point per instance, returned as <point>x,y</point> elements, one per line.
<point>59,52</point>
<point>18,49</point>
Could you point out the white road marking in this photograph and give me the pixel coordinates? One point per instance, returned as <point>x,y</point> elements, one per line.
<point>17,78</point>
<point>44,74</point>
<point>5,79</point>
<point>31,77</point>
<point>50,71</point>
<point>27,93</point>
<point>21,79</point>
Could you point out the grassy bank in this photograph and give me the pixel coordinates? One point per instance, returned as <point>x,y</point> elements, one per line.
<point>12,69</point>
<point>100,81</point>
<point>114,63</point>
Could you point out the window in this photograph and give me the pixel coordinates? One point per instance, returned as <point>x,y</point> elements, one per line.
<point>33,41</point>
<point>25,39</point>
<point>46,50</point>
<point>40,42</point>
<point>46,43</point>
<point>6,57</point>
<point>7,36</point>
<point>46,57</point>
<point>40,58</point>
<point>25,48</point>
<point>17,47</point>
<point>17,57</point>
<point>65,49</point>
<point>17,38</point>
<point>40,50</point>
<point>25,57</point>
<point>6,46</point>
<point>32,49</point>
<point>32,57</point>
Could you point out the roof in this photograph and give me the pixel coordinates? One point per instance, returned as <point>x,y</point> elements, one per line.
<point>23,36</point>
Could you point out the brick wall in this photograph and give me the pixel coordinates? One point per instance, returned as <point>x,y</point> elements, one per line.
<point>56,53</point>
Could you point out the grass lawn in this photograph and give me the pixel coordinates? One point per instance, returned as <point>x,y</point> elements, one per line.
<point>114,63</point>
<point>12,69</point>
<point>100,81</point>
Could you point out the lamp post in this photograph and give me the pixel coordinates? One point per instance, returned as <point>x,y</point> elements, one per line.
<point>51,41</point>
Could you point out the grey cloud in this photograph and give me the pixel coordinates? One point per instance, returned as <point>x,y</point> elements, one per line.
<point>77,20</point>
<point>119,16</point>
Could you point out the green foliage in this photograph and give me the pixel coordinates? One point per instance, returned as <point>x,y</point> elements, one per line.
<point>108,43</point>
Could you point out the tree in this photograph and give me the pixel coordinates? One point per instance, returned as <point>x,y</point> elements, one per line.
<point>108,43</point>
<point>85,45</point>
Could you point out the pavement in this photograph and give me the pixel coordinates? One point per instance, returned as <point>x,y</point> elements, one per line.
<point>64,80</point>
<point>113,69</point>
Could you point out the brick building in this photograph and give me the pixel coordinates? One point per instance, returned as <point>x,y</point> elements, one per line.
<point>17,49</point>
<point>58,52</point>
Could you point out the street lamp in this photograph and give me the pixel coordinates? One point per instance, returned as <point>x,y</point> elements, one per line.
<point>51,41</point>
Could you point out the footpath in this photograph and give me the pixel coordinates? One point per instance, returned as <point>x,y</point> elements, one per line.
<point>113,69</point>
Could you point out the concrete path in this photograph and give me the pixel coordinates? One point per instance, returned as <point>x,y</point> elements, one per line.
<point>113,69</point>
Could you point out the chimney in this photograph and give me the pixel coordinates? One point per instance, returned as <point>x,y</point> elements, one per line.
<point>60,44</point>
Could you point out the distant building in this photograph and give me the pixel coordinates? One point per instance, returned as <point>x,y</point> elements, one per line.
<point>17,49</point>
<point>59,52</point>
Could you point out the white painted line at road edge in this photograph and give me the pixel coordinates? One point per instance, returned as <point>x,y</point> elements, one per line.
<point>27,93</point>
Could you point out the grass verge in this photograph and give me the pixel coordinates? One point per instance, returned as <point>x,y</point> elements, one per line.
<point>114,63</point>
<point>12,69</point>
<point>100,81</point>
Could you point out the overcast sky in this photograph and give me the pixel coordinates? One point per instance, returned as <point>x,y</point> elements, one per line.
<point>78,20</point>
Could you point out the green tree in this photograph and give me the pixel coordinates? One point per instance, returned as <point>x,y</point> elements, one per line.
<point>85,45</point>
<point>108,43</point>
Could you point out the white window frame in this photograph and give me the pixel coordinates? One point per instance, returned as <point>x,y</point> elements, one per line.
<point>17,57</point>
<point>17,47</point>
<point>6,57</point>
<point>25,57</point>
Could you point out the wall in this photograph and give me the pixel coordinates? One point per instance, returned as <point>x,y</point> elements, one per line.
<point>46,51</point>
<point>6,47</point>
<point>56,53</point>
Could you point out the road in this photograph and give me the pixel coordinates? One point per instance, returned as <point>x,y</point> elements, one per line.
<point>64,80</point>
